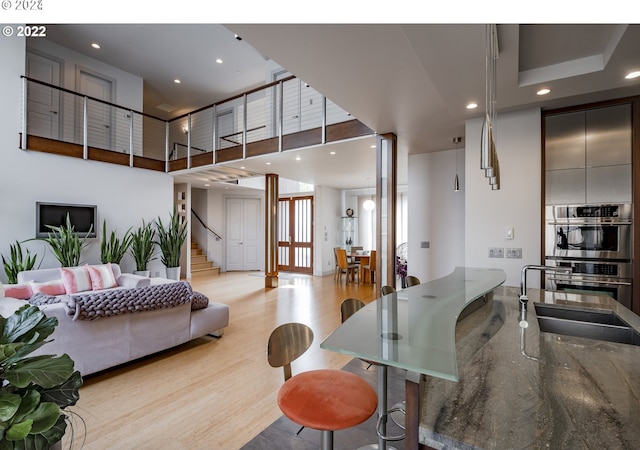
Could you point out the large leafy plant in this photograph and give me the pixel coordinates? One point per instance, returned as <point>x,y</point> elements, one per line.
<point>113,249</point>
<point>18,261</point>
<point>35,390</point>
<point>66,244</point>
<point>142,245</point>
<point>170,239</point>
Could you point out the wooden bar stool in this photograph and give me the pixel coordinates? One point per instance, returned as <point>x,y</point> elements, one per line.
<point>327,400</point>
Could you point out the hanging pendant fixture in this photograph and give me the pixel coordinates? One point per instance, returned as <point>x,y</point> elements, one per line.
<point>488,154</point>
<point>456,181</point>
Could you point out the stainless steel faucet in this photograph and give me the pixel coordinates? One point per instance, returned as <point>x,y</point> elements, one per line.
<point>523,279</point>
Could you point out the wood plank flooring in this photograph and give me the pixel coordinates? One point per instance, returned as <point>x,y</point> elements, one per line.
<point>214,393</point>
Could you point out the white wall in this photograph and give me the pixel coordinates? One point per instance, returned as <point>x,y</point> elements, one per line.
<point>327,205</point>
<point>436,214</point>
<point>518,202</point>
<point>124,195</point>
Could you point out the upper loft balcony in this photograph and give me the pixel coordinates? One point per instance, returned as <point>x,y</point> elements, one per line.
<point>280,116</point>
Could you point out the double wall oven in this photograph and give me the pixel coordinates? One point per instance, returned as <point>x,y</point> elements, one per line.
<point>594,241</point>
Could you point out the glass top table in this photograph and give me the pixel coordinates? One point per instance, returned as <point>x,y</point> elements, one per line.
<point>414,329</point>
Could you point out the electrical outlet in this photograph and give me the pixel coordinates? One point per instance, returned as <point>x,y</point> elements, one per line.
<point>425,244</point>
<point>514,253</point>
<point>496,252</point>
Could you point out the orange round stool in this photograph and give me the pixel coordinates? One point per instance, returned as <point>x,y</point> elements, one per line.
<point>327,400</point>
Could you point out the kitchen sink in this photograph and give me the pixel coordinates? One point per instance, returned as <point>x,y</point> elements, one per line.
<point>591,324</point>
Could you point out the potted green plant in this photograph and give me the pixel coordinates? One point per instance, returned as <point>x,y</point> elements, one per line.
<point>17,262</point>
<point>170,240</point>
<point>142,247</point>
<point>34,390</point>
<point>66,244</point>
<point>112,250</point>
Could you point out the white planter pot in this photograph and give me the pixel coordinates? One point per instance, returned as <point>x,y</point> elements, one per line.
<point>142,273</point>
<point>173,273</point>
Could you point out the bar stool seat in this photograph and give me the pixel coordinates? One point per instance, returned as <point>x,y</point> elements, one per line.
<point>327,400</point>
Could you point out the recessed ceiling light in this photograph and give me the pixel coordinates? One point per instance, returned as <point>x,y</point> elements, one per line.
<point>242,167</point>
<point>219,61</point>
<point>632,75</point>
<point>543,91</point>
<point>332,153</point>
<point>298,158</point>
<point>177,81</point>
<point>373,146</point>
<point>472,106</point>
<point>207,185</point>
<point>268,164</point>
<point>95,45</point>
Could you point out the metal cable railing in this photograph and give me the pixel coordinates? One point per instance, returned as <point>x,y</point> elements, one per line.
<point>257,122</point>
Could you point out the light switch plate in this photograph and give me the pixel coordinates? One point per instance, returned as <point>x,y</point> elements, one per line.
<point>514,253</point>
<point>496,252</point>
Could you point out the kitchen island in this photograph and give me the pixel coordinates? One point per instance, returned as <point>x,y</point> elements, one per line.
<point>518,387</point>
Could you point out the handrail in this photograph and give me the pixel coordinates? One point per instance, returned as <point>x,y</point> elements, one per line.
<point>218,237</point>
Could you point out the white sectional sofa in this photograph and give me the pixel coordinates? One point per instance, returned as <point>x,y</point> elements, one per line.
<point>105,342</point>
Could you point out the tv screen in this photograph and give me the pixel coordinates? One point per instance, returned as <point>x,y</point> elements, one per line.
<point>83,218</point>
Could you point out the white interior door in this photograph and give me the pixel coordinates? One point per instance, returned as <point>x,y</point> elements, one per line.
<point>99,115</point>
<point>43,103</point>
<point>244,234</point>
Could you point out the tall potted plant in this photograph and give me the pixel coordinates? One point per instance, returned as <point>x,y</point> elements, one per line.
<point>34,390</point>
<point>66,244</point>
<point>18,261</point>
<point>112,250</point>
<point>142,247</point>
<point>170,240</point>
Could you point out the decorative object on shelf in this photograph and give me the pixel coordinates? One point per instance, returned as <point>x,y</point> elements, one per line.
<point>66,243</point>
<point>113,249</point>
<point>488,155</point>
<point>369,205</point>
<point>34,390</point>
<point>142,247</point>
<point>170,240</point>
<point>349,212</point>
<point>17,262</point>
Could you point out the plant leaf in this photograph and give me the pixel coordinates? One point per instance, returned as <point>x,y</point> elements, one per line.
<point>65,394</point>
<point>9,404</point>
<point>44,417</point>
<point>18,431</point>
<point>29,402</point>
<point>44,371</point>
<point>25,323</point>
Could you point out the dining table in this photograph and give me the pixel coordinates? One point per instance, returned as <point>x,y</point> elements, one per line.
<point>413,329</point>
<point>362,259</point>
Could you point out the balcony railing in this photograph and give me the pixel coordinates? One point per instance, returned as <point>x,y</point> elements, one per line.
<point>277,117</point>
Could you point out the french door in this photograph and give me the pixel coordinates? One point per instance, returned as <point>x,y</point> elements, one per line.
<point>295,234</point>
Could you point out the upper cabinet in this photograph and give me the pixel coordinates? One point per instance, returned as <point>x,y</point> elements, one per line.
<point>588,156</point>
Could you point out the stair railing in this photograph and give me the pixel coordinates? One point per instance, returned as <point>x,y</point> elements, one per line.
<point>217,236</point>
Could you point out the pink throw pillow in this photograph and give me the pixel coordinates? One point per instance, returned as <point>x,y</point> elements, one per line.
<point>102,277</point>
<point>21,291</point>
<point>75,279</point>
<point>55,287</point>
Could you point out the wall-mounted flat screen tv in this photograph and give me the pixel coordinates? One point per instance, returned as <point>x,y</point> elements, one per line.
<point>82,217</point>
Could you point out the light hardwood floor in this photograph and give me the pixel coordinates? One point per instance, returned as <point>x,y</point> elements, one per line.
<point>214,393</point>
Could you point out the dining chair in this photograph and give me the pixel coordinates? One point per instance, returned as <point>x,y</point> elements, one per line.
<point>410,280</point>
<point>386,290</point>
<point>355,249</point>
<point>368,271</point>
<point>335,258</point>
<point>344,266</point>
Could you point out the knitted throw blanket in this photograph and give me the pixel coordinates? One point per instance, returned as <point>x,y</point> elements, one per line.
<point>107,303</point>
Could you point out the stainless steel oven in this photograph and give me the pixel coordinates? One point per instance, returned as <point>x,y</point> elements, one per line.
<point>594,242</point>
<point>602,232</point>
<point>603,277</point>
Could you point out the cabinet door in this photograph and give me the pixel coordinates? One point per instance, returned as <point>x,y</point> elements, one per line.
<point>565,187</point>
<point>609,136</point>
<point>565,141</point>
<point>609,184</point>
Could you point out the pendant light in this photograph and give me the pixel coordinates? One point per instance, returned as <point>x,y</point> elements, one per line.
<point>488,154</point>
<point>456,181</point>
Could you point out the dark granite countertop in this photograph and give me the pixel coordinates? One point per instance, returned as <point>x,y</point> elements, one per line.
<point>562,393</point>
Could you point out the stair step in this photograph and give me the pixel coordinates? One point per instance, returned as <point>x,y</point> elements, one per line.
<point>198,258</point>
<point>201,265</point>
<point>205,272</point>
